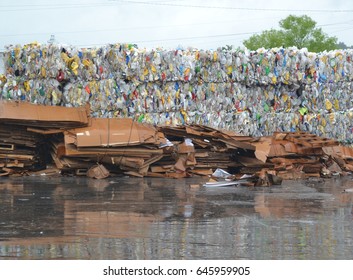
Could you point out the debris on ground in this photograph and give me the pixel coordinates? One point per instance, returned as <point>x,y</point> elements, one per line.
<point>99,147</point>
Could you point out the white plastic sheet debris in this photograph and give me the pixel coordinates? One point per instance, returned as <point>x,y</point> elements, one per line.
<point>221,174</point>
<point>254,93</point>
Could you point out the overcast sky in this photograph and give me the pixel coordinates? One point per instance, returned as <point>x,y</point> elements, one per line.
<point>156,23</point>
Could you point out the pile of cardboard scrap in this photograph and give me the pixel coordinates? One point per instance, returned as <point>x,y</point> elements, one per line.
<point>338,159</point>
<point>200,150</point>
<point>298,155</point>
<point>127,147</point>
<point>216,151</point>
<point>121,145</point>
<point>33,135</point>
<point>18,149</point>
<point>257,161</point>
<point>22,148</point>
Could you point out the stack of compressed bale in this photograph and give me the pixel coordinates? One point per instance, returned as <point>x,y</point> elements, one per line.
<point>253,93</point>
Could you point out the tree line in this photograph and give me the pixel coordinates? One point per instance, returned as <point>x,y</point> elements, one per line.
<point>299,31</point>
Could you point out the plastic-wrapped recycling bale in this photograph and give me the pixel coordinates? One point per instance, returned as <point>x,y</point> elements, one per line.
<point>56,61</point>
<point>38,91</point>
<point>254,93</point>
<point>33,61</point>
<point>3,81</point>
<point>275,66</point>
<point>128,98</point>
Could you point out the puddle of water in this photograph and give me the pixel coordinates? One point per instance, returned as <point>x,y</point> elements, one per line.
<point>129,218</point>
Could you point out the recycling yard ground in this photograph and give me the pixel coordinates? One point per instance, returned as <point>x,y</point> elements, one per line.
<point>158,218</point>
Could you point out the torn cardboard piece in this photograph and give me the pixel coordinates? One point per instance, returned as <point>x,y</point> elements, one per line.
<point>98,172</point>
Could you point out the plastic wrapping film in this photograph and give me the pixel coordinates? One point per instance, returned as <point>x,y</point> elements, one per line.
<point>254,93</point>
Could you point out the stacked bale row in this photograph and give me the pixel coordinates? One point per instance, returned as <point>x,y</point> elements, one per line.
<point>255,93</point>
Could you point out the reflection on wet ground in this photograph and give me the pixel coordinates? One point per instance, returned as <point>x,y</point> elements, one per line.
<point>125,218</point>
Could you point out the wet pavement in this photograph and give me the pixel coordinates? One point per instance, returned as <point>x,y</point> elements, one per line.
<point>130,218</point>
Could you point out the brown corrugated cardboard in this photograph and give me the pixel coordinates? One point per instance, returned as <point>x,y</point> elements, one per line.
<point>262,149</point>
<point>131,148</point>
<point>341,151</point>
<point>113,132</point>
<point>40,115</point>
<point>98,172</point>
<point>183,148</point>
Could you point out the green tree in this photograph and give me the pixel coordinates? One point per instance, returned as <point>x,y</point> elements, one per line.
<point>343,46</point>
<point>299,31</point>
